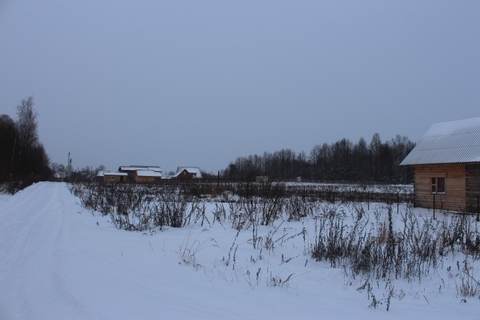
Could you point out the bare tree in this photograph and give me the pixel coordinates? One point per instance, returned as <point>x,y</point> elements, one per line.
<point>27,123</point>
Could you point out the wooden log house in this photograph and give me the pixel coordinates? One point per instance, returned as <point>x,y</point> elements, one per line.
<point>446,164</point>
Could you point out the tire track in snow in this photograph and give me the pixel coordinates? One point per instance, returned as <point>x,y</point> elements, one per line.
<point>15,228</point>
<point>37,223</point>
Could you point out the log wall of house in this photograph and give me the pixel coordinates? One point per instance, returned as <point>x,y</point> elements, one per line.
<point>144,179</point>
<point>185,175</point>
<point>147,179</point>
<point>454,197</point>
<point>114,178</point>
<point>473,186</point>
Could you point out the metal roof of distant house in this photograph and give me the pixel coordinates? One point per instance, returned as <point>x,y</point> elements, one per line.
<point>148,173</point>
<point>115,174</point>
<point>448,142</point>
<point>102,172</point>
<point>136,167</point>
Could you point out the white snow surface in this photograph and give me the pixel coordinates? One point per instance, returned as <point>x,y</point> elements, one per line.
<point>60,261</point>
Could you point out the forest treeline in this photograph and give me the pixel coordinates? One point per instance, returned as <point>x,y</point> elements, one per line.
<point>342,161</point>
<point>23,159</point>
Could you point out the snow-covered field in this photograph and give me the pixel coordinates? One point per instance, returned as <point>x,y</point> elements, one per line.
<point>60,261</point>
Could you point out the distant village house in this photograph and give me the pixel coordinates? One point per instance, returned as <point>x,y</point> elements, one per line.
<point>115,177</point>
<point>147,174</point>
<point>187,173</point>
<point>142,174</point>
<point>137,174</point>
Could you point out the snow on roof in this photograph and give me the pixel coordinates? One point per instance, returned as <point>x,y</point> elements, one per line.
<point>102,172</point>
<point>195,171</point>
<point>115,174</point>
<point>139,167</point>
<point>148,173</point>
<point>448,142</point>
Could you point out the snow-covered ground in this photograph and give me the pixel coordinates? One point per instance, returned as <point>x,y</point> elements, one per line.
<point>60,261</point>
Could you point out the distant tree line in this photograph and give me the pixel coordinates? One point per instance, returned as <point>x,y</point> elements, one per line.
<point>87,173</point>
<point>23,159</point>
<point>342,161</point>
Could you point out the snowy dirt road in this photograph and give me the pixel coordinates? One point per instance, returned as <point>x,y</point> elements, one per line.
<point>36,247</point>
<point>58,261</point>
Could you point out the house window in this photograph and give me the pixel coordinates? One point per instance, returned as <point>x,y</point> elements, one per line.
<point>438,185</point>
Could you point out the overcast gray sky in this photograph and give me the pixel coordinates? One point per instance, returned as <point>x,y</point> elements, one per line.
<point>200,83</point>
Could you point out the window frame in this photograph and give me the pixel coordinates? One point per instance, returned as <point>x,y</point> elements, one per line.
<point>438,185</point>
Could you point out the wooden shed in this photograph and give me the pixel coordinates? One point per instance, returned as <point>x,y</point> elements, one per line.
<point>187,173</point>
<point>446,165</point>
<point>183,175</point>
<point>115,177</point>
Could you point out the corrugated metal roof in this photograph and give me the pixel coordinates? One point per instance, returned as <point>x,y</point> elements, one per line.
<point>148,173</point>
<point>448,142</point>
<point>115,174</point>
<point>135,168</point>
